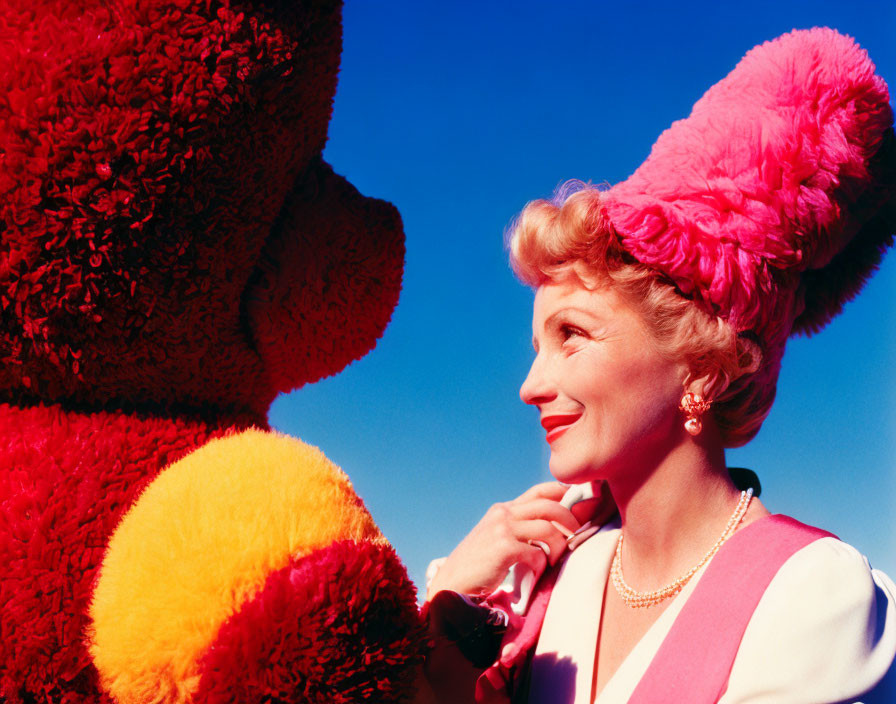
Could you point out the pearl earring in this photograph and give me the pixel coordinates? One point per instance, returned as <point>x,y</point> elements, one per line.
<point>693,405</point>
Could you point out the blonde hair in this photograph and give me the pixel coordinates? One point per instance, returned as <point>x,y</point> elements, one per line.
<point>570,236</point>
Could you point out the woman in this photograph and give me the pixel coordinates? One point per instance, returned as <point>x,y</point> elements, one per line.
<point>661,312</point>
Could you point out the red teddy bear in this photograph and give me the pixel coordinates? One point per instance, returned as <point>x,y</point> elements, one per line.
<point>174,254</point>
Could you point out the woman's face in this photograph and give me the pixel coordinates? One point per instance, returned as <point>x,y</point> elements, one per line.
<point>608,399</point>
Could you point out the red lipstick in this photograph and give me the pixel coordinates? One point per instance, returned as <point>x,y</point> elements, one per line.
<point>558,424</point>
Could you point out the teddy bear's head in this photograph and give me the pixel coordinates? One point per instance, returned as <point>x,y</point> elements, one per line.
<point>170,234</point>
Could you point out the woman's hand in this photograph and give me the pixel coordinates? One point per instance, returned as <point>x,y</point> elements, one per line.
<point>508,533</point>
<point>481,562</point>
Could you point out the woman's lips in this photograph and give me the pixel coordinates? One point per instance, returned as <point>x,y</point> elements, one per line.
<point>556,425</point>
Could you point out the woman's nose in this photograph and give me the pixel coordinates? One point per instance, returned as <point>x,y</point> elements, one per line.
<point>536,389</point>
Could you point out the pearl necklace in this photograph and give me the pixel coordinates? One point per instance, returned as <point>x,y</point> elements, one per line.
<point>636,599</point>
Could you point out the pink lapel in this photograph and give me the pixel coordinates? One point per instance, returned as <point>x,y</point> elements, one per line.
<point>693,663</point>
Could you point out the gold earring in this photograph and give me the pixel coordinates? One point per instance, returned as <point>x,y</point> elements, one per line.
<point>693,405</point>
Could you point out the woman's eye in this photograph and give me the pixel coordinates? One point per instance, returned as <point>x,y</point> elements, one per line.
<point>568,331</point>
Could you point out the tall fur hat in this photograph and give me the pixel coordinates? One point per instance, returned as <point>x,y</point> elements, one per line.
<point>772,203</point>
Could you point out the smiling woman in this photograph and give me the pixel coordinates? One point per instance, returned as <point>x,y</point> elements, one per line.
<point>662,309</point>
<point>557,241</point>
<point>600,382</point>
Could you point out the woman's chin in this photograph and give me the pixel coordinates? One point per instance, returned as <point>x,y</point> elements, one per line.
<point>567,473</point>
<point>579,468</point>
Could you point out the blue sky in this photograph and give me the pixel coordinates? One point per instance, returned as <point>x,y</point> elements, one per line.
<point>459,113</point>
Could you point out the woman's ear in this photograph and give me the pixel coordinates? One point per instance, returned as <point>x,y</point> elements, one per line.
<point>709,385</point>
<point>712,383</point>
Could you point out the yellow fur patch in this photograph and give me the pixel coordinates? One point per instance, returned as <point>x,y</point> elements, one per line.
<point>198,543</point>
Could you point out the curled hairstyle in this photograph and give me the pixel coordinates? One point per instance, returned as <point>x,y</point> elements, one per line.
<point>569,235</point>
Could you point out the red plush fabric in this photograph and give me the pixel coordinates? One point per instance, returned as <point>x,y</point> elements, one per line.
<point>335,281</point>
<point>173,254</point>
<point>66,479</point>
<point>338,626</point>
<point>151,152</point>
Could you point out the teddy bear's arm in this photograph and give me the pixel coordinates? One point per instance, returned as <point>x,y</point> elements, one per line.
<point>247,567</point>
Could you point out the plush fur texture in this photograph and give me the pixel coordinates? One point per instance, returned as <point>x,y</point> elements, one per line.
<point>774,200</point>
<point>140,142</point>
<point>175,571</point>
<point>66,478</point>
<point>328,616</point>
<point>174,253</point>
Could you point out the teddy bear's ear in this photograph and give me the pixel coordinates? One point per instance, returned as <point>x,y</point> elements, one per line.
<point>327,281</point>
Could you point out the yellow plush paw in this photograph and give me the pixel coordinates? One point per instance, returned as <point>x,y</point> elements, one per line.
<point>199,544</point>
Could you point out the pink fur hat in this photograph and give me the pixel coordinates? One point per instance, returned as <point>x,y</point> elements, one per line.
<point>774,201</point>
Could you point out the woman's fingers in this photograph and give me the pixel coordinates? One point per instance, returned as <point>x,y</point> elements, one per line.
<point>548,510</point>
<point>545,490</point>
<point>540,531</point>
<point>535,557</point>
<point>510,532</point>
